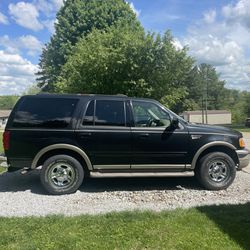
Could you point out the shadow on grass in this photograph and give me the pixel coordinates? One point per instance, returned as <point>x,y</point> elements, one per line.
<point>233,220</point>
<point>15,182</point>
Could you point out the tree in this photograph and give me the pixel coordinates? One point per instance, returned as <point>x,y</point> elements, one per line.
<point>119,60</point>
<point>76,19</point>
<point>203,84</point>
<point>8,102</point>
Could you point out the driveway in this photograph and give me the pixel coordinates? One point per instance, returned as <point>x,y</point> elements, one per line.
<point>23,195</point>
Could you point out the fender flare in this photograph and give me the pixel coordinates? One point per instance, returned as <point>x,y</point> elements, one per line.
<point>61,146</point>
<point>209,145</point>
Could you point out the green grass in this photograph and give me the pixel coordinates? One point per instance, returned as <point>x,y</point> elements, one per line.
<point>239,127</point>
<point>222,227</point>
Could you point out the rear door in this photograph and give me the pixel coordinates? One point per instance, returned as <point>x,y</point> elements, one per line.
<point>104,133</point>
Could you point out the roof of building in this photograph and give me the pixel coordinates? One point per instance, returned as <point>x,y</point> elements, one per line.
<point>4,113</point>
<point>211,112</point>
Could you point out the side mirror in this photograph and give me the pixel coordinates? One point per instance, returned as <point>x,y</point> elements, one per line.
<point>174,123</point>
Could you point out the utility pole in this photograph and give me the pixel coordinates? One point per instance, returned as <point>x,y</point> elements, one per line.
<point>206,96</point>
<point>202,109</point>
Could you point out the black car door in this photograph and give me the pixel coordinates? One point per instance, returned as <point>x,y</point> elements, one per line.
<point>104,134</point>
<point>154,145</point>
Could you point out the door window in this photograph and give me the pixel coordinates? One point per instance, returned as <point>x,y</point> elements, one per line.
<point>105,113</point>
<point>109,113</point>
<point>147,114</point>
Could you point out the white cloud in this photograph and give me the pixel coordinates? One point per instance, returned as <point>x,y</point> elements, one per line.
<point>3,19</point>
<point>210,16</point>
<point>16,73</point>
<point>48,7</point>
<point>224,42</point>
<point>58,3</point>
<point>26,15</point>
<point>213,50</point>
<point>177,44</point>
<point>136,11</point>
<point>28,43</point>
<point>50,25</point>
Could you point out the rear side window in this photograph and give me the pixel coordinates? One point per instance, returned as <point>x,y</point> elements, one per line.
<point>44,113</point>
<point>110,113</point>
<point>105,113</point>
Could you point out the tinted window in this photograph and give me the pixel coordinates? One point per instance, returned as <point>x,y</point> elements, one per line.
<point>147,114</point>
<point>109,113</point>
<point>89,115</point>
<point>44,112</point>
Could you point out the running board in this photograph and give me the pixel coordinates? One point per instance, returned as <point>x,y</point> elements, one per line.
<point>140,174</point>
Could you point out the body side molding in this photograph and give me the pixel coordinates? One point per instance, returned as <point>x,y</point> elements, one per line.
<point>61,146</point>
<point>208,145</point>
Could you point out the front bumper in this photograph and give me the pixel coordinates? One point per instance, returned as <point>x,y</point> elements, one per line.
<point>243,156</point>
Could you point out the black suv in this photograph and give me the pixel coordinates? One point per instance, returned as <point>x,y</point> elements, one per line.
<point>76,136</point>
<point>247,122</point>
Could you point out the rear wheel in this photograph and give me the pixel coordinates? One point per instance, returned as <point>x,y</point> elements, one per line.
<point>61,174</point>
<point>216,171</point>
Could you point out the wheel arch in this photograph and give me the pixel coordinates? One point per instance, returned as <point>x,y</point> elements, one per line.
<point>54,149</point>
<point>223,147</point>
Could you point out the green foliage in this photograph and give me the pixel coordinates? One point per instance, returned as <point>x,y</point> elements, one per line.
<point>75,20</point>
<point>212,227</point>
<point>127,62</point>
<point>101,47</point>
<point>8,102</point>
<point>203,83</point>
<point>32,90</point>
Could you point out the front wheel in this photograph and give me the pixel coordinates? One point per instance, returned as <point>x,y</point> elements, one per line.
<point>61,174</point>
<point>216,171</point>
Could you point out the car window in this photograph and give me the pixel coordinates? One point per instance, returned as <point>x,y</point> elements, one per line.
<point>89,115</point>
<point>147,114</point>
<point>109,113</point>
<point>44,112</point>
<point>105,113</point>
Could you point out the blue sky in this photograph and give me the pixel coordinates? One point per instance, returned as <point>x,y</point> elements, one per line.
<point>216,32</point>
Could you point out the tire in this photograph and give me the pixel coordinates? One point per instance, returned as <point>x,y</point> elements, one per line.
<point>61,174</point>
<point>216,171</point>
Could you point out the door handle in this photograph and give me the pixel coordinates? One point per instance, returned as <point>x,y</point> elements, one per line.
<point>144,135</point>
<point>85,134</point>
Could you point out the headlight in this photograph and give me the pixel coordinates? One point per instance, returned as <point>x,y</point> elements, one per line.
<point>242,143</point>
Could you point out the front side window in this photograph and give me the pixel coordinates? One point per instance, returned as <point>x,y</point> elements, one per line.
<point>105,113</point>
<point>147,114</point>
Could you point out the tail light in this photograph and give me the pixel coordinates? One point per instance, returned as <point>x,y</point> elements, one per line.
<point>6,140</point>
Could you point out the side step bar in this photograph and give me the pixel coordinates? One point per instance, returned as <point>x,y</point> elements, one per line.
<point>140,174</point>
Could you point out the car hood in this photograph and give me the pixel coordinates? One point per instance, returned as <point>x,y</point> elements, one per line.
<point>194,127</point>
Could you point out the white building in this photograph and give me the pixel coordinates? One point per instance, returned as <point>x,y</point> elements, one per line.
<point>213,116</point>
<point>4,115</point>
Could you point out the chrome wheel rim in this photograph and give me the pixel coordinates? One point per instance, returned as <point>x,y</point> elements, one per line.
<point>61,174</point>
<point>218,171</point>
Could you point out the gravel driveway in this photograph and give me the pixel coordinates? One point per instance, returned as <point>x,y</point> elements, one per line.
<point>23,195</point>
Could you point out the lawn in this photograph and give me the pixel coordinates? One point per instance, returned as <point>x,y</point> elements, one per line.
<point>240,128</point>
<point>212,227</point>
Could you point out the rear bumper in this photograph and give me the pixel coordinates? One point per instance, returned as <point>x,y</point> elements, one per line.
<point>243,156</point>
